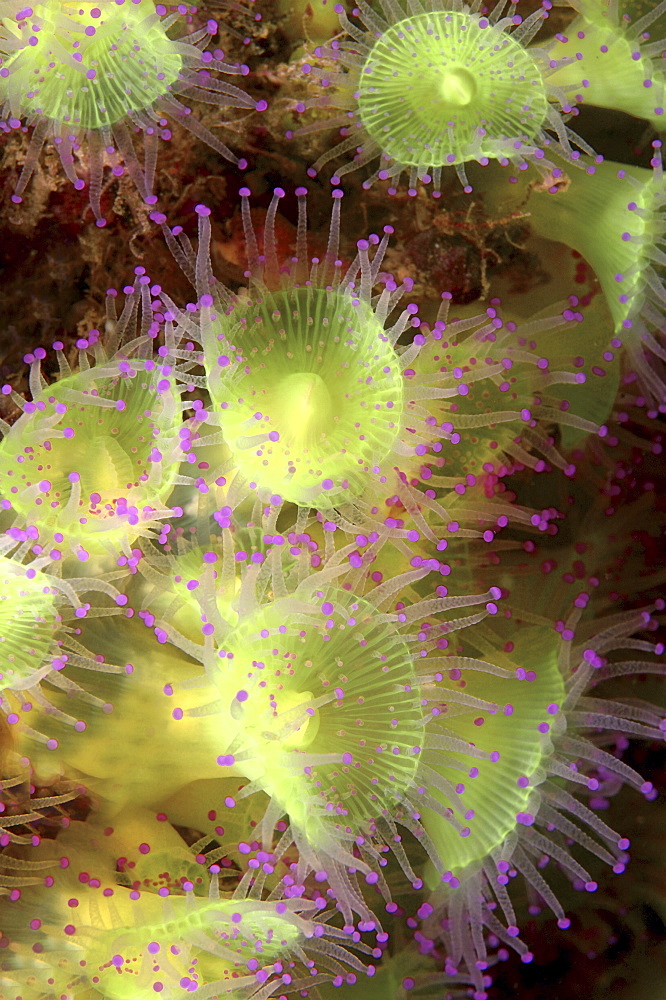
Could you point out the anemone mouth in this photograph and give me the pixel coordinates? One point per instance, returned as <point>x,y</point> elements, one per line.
<point>304,406</point>
<point>285,720</point>
<point>328,711</point>
<point>310,392</point>
<point>458,88</point>
<point>126,61</point>
<point>445,87</point>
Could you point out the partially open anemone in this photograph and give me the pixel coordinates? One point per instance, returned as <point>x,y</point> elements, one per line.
<point>39,612</point>
<point>511,379</point>
<point>430,85</point>
<point>466,812</point>
<point>195,561</point>
<point>81,73</point>
<point>625,247</point>
<point>320,405</point>
<point>94,456</point>
<point>612,61</point>
<point>29,623</point>
<point>585,352</point>
<point>98,938</point>
<point>556,743</point>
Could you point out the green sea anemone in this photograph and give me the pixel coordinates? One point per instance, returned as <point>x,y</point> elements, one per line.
<point>168,594</point>
<point>86,74</point>
<point>302,370</point>
<point>320,699</point>
<point>625,248</point>
<point>39,618</point>
<point>430,85</point>
<point>321,404</point>
<point>518,386</point>
<point>95,455</point>
<point>512,822</point>
<point>98,937</point>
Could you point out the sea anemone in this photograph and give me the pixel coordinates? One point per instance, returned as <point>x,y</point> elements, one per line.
<point>95,455</point>
<point>306,417</point>
<point>170,583</point>
<point>80,73</point>
<point>518,383</point>
<point>39,615</point>
<point>291,674</point>
<point>430,85</point>
<point>299,717</point>
<point>512,824</point>
<point>346,421</point>
<point>625,248</point>
<point>175,573</point>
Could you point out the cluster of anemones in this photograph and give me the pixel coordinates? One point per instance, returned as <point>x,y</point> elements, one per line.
<point>279,658</point>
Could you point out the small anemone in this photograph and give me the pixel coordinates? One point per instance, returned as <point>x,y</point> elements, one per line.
<point>430,85</point>
<point>625,247</point>
<point>510,381</point>
<point>170,583</point>
<point>612,61</point>
<point>562,748</point>
<point>94,455</point>
<point>80,73</point>
<point>174,575</point>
